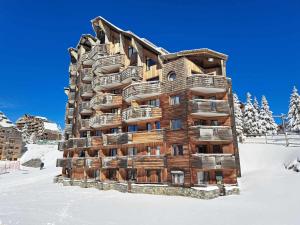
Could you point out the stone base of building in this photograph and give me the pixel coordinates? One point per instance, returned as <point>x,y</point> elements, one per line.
<point>209,192</point>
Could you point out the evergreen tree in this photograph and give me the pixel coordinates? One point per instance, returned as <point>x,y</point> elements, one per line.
<point>256,104</point>
<point>268,125</point>
<point>250,117</point>
<point>294,111</point>
<point>256,107</point>
<point>238,116</point>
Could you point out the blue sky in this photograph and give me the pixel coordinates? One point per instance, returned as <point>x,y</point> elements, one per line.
<point>260,37</point>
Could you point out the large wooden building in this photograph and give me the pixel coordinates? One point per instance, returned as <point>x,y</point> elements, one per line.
<point>137,113</point>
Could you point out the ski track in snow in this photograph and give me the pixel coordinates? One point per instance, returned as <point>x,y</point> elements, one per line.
<point>269,195</point>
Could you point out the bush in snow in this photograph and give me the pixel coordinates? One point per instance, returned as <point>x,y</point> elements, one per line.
<point>238,117</point>
<point>294,111</point>
<point>267,123</point>
<point>250,118</point>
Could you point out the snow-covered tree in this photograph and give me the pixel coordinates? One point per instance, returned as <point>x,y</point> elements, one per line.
<point>238,116</point>
<point>267,123</point>
<point>250,117</point>
<point>294,111</point>
<point>256,104</point>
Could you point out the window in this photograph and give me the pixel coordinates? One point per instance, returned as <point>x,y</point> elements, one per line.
<point>112,152</point>
<point>177,150</point>
<point>174,100</point>
<point>172,76</point>
<point>82,154</point>
<point>157,124</point>
<point>175,124</point>
<point>98,133</point>
<point>199,122</point>
<point>148,174</point>
<point>203,177</point>
<point>130,51</point>
<point>219,177</point>
<point>217,149</point>
<point>177,177</point>
<point>83,134</point>
<point>132,128</point>
<point>158,175</point>
<point>149,62</point>
<point>153,102</point>
<point>132,151</point>
<point>115,110</point>
<point>148,150</point>
<point>131,174</point>
<point>214,123</point>
<point>112,174</point>
<point>148,126</point>
<point>201,149</point>
<point>157,151</point>
<point>198,97</point>
<point>114,130</point>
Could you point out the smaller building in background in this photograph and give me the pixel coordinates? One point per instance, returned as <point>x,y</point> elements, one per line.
<point>39,128</point>
<point>10,139</point>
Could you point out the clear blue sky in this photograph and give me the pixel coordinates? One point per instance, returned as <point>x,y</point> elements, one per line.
<point>262,39</point>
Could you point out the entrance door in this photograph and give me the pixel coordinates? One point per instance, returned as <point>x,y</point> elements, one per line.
<point>203,177</point>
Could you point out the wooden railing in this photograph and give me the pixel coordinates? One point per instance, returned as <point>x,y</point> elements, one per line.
<point>126,76</point>
<point>86,89</point>
<point>141,113</point>
<point>106,119</point>
<point>70,112</point>
<point>209,106</point>
<point>211,133</point>
<point>72,82</point>
<point>73,69</point>
<point>213,161</point>
<point>86,74</point>
<point>101,48</point>
<point>109,61</point>
<point>114,162</point>
<point>68,128</point>
<point>85,123</point>
<point>152,136</point>
<point>85,107</point>
<point>71,96</point>
<point>150,88</point>
<point>105,100</point>
<point>147,162</point>
<point>206,81</point>
<point>77,143</point>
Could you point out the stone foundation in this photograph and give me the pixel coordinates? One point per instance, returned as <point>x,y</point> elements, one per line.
<point>201,193</point>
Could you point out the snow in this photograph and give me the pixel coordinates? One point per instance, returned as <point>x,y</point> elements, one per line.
<point>269,195</point>
<point>4,121</point>
<point>51,126</point>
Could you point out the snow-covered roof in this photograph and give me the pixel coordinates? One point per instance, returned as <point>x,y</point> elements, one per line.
<point>41,117</point>
<point>51,126</point>
<point>4,121</point>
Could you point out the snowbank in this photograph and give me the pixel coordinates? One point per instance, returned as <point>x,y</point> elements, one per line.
<point>51,126</point>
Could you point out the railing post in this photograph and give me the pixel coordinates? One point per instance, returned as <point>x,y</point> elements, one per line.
<point>266,138</point>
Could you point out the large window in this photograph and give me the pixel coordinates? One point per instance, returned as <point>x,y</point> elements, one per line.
<point>112,152</point>
<point>175,124</point>
<point>153,102</point>
<point>132,151</point>
<point>149,63</point>
<point>177,150</point>
<point>217,149</point>
<point>174,100</point>
<point>148,126</point>
<point>202,149</point>
<point>177,177</point>
<point>132,128</point>
<point>157,125</point>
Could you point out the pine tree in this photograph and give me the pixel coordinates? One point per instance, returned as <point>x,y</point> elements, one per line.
<point>294,111</point>
<point>268,125</point>
<point>238,116</point>
<point>250,117</point>
<point>256,104</point>
<point>257,128</point>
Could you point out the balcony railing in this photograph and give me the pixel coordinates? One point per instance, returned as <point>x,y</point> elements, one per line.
<point>86,75</point>
<point>77,143</point>
<point>114,162</point>
<point>85,124</point>
<point>206,107</point>
<point>211,133</point>
<point>104,101</point>
<point>85,108</point>
<point>213,161</point>
<point>147,162</point>
<point>68,128</point>
<point>70,113</point>
<point>207,83</point>
<point>105,120</point>
<point>146,112</point>
<point>73,69</point>
<point>114,80</point>
<point>72,82</point>
<point>71,97</point>
<point>101,49</point>
<point>108,63</point>
<point>64,162</point>
<point>86,90</point>
<point>142,90</point>
<point>152,136</point>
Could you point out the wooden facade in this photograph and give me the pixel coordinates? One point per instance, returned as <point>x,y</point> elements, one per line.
<point>138,113</point>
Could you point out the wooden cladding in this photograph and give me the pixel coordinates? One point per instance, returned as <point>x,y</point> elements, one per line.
<point>211,133</point>
<point>107,100</point>
<point>140,90</point>
<point>207,107</point>
<point>105,120</point>
<point>153,136</point>
<point>134,114</point>
<point>213,161</point>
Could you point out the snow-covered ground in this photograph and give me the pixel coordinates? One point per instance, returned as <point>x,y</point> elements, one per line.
<point>269,195</point>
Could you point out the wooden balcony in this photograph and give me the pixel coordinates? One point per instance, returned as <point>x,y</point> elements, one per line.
<point>77,143</point>
<point>88,162</point>
<point>114,162</point>
<point>99,51</point>
<point>86,75</point>
<point>213,161</point>
<point>108,64</point>
<point>115,80</point>
<point>86,90</point>
<point>142,113</point>
<point>64,162</point>
<point>72,82</point>
<point>95,141</point>
<point>211,133</point>
<point>146,162</point>
<point>133,138</point>
<point>105,120</point>
<point>73,69</point>
<point>70,113</point>
<point>85,108</point>
<point>142,90</point>
<point>68,128</point>
<point>85,124</point>
<point>106,101</point>
<point>204,83</point>
<point>71,97</point>
<point>209,108</point>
